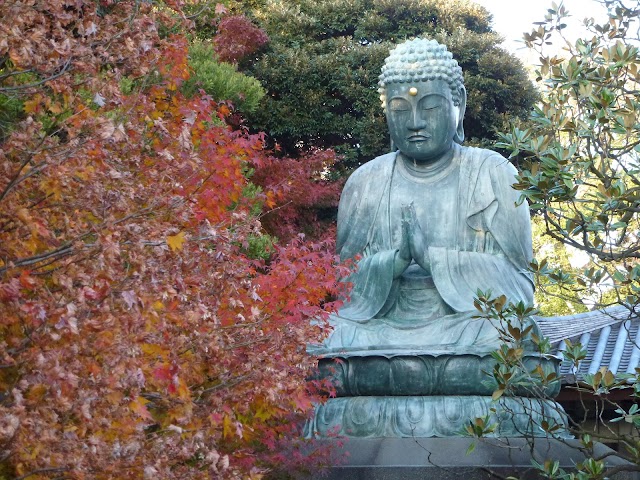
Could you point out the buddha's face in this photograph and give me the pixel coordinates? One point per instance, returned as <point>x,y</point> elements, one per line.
<point>422,119</point>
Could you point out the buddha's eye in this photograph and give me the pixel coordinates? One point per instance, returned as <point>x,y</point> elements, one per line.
<point>431,102</point>
<point>399,105</point>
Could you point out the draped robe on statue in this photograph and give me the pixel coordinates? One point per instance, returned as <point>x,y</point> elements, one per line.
<point>476,238</point>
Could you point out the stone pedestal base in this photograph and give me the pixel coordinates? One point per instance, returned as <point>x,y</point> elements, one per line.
<point>434,416</point>
<point>395,373</point>
<point>447,458</point>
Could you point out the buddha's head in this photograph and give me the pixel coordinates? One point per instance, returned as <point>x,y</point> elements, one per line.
<point>423,95</point>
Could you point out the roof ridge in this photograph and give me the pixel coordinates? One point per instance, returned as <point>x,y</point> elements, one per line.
<point>607,317</point>
<point>591,313</point>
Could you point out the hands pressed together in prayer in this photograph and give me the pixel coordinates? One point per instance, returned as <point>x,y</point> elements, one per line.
<point>412,244</point>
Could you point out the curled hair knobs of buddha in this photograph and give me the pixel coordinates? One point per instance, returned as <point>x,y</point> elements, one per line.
<point>421,60</point>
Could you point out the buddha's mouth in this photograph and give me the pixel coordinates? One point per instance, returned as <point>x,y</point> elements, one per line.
<point>418,138</point>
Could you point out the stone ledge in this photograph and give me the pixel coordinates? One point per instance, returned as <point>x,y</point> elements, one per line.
<point>446,458</point>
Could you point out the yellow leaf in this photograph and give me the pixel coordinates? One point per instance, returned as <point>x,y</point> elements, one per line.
<point>24,215</point>
<point>183,390</point>
<point>37,392</point>
<point>52,188</point>
<point>92,218</point>
<point>227,427</point>
<point>175,241</point>
<point>139,407</point>
<point>55,108</point>
<point>31,245</point>
<point>31,106</point>
<point>154,350</point>
<point>263,410</point>
<point>35,452</point>
<point>270,202</point>
<point>158,306</point>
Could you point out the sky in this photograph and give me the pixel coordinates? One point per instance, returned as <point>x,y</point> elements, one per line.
<point>511,18</point>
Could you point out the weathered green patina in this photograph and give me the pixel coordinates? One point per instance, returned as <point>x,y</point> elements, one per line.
<point>430,224</point>
<point>383,373</point>
<point>434,416</point>
<point>433,222</point>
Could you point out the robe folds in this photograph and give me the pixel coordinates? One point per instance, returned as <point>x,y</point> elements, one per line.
<point>488,247</point>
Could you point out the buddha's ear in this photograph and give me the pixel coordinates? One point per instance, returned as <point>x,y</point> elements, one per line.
<point>459,135</point>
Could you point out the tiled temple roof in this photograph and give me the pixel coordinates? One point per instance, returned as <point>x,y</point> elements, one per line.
<point>611,337</point>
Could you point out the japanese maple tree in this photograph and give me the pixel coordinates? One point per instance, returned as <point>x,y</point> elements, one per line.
<point>237,37</point>
<point>138,338</point>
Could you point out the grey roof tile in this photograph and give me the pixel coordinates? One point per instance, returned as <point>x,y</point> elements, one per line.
<point>611,338</point>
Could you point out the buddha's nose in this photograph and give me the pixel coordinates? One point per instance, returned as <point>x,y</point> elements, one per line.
<point>416,122</point>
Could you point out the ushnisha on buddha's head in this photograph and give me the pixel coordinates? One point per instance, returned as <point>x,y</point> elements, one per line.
<point>423,95</point>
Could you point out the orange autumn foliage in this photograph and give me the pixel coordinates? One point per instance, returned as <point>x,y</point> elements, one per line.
<point>137,338</point>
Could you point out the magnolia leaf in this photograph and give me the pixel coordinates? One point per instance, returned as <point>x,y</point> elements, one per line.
<point>609,378</point>
<point>500,302</point>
